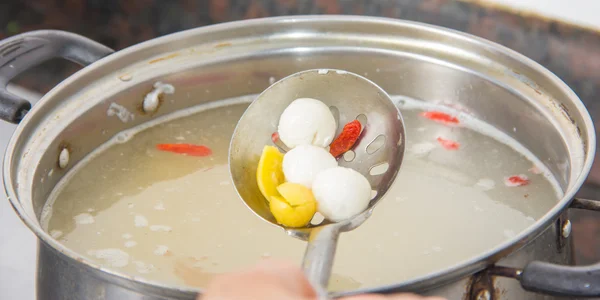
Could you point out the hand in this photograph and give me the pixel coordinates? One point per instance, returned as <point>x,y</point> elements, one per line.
<point>276,280</point>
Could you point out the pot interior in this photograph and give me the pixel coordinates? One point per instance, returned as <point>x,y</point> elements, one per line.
<point>471,79</point>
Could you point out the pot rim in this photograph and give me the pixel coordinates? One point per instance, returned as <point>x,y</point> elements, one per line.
<point>430,280</point>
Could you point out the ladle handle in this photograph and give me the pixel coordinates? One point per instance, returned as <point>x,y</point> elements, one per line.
<point>318,258</point>
<point>23,51</point>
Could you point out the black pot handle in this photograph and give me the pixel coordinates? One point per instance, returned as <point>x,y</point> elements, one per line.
<point>557,280</point>
<point>21,52</point>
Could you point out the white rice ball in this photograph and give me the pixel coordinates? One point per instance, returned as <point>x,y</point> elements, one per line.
<point>341,193</point>
<point>303,163</point>
<point>306,121</point>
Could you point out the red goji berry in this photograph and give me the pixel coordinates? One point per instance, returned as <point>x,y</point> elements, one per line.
<point>448,144</point>
<point>346,139</point>
<point>275,137</point>
<point>188,149</point>
<point>440,117</point>
<point>516,180</point>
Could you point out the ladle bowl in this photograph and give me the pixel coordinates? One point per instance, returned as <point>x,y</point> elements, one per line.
<point>377,154</point>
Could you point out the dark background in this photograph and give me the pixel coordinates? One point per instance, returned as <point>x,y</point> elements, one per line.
<point>571,52</point>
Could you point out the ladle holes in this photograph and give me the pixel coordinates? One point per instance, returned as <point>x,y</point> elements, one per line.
<point>317,219</point>
<point>376,144</point>
<point>379,169</point>
<point>373,194</point>
<point>362,118</point>
<point>349,156</point>
<point>279,144</point>
<point>336,116</point>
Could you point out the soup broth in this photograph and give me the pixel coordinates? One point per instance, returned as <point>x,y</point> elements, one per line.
<point>177,219</point>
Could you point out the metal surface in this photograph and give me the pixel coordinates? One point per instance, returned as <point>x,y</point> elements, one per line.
<point>17,243</point>
<point>351,96</point>
<point>424,62</point>
<point>551,278</point>
<point>21,52</point>
<point>499,280</point>
<point>586,204</point>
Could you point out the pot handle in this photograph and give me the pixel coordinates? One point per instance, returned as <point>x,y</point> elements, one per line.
<point>557,280</point>
<point>23,51</point>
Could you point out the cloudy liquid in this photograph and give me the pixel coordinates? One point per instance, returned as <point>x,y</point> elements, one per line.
<point>177,219</point>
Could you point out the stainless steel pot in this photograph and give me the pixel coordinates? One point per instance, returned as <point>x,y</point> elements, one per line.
<point>207,64</point>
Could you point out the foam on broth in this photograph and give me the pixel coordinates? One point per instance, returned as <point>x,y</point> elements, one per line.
<point>177,219</point>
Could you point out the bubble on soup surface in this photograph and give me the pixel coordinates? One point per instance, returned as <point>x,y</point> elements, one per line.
<point>111,256</point>
<point>140,221</point>
<point>159,206</point>
<point>485,184</point>
<point>143,267</point>
<point>129,244</point>
<point>161,250</point>
<point>422,149</point>
<point>84,218</point>
<point>163,228</point>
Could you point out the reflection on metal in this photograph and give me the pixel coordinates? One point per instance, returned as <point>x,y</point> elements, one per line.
<point>63,158</point>
<point>561,240</point>
<point>566,229</point>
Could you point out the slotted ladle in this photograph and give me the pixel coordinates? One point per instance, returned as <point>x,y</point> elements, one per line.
<point>377,155</point>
